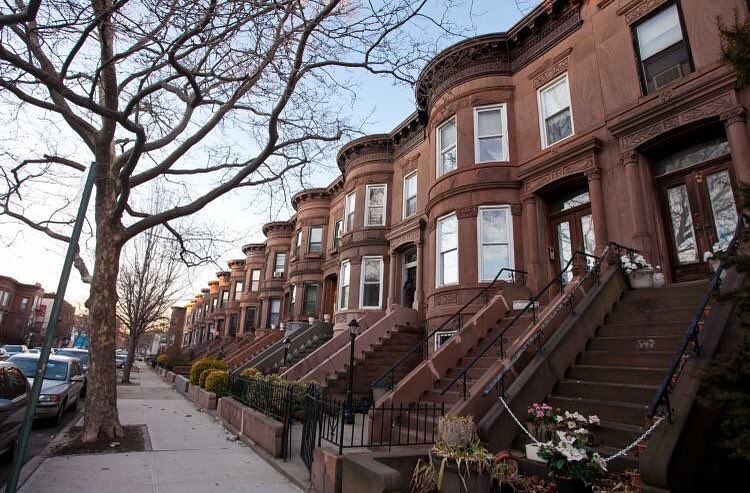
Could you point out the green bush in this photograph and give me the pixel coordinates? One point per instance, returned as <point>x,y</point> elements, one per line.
<point>204,364</point>
<point>251,373</point>
<point>204,376</point>
<point>217,381</point>
<point>162,359</point>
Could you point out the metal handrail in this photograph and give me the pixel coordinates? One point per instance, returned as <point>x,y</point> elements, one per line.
<point>596,270</point>
<point>531,305</point>
<point>392,370</point>
<point>691,336</point>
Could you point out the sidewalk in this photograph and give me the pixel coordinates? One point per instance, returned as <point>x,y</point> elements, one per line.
<point>190,453</point>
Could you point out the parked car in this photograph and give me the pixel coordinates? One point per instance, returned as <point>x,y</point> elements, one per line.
<point>120,360</point>
<point>81,354</point>
<point>62,385</point>
<point>3,354</point>
<point>14,398</point>
<point>15,348</point>
<point>35,351</point>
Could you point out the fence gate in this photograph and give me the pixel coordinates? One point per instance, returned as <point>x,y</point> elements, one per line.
<point>310,427</point>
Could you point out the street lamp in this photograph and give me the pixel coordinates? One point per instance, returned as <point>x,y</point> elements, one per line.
<point>348,411</point>
<point>287,344</point>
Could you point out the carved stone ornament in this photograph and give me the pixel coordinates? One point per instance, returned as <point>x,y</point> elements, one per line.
<point>467,212</point>
<point>516,209</point>
<point>692,114</point>
<point>735,115</point>
<point>637,9</point>
<point>550,69</point>
<point>408,237</point>
<point>560,172</point>
<point>450,298</point>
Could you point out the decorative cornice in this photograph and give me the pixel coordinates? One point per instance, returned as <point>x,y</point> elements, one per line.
<point>467,212</point>
<point>565,153</point>
<point>236,263</point>
<point>550,68</point>
<point>277,228</point>
<point>253,248</point>
<point>309,194</point>
<point>734,115</point>
<point>516,209</point>
<point>636,9</point>
<point>379,146</point>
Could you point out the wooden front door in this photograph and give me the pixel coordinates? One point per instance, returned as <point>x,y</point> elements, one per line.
<point>330,296</point>
<point>572,229</point>
<point>699,210</point>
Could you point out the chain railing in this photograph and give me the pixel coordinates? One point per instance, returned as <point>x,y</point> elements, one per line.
<point>454,323</point>
<point>691,346</point>
<point>581,260</point>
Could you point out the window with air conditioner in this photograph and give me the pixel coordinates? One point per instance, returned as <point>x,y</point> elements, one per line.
<point>663,52</point>
<point>447,154</point>
<point>410,195</point>
<point>279,265</point>
<point>447,250</point>
<point>375,205</point>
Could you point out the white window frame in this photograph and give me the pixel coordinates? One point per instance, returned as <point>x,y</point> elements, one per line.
<point>348,212</point>
<point>362,283</point>
<point>276,262</point>
<point>344,303</point>
<point>238,292</point>
<point>480,251</point>
<point>367,203</point>
<point>503,131</point>
<point>542,120</point>
<point>439,151</point>
<point>338,232</point>
<point>414,175</point>
<point>439,254</point>
<point>254,283</point>
<point>310,238</point>
<point>298,243</point>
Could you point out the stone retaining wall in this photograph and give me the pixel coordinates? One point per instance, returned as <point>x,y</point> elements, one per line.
<point>250,424</point>
<point>202,398</point>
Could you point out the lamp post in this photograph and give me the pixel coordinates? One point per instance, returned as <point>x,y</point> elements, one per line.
<point>287,344</point>
<point>348,411</point>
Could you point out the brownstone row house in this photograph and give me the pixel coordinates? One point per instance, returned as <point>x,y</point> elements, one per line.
<point>588,122</point>
<point>21,310</point>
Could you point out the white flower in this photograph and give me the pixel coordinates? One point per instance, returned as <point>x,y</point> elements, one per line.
<point>581,431</point>
<point>594,419</point>
<point>572,425</point>
<point>558,418</point>
<point>571,452</point>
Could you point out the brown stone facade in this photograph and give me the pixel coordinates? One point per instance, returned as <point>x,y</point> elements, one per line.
<point>21,311</point>
<point>525,146</point>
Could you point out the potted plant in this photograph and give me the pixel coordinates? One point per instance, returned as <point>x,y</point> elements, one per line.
<point>458,462</point>
<point>505,475</point>
<point>639,271</point>
<point>570,462</point>
<point>543,420</point>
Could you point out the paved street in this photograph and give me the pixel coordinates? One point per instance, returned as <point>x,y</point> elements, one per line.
<point>190,453</point>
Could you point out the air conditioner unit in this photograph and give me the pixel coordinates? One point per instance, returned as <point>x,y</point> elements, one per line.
<point>666,76</point>
<point>278,274</point>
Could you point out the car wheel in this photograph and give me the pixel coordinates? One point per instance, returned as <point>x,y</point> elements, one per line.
<point>58,417</point>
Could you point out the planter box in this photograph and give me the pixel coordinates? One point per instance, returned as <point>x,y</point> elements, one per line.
<point>202,398</point>
<point>453,482</point>
<point>169,377</point>
<point>532,453</point>
<point>181,384</point>
<point>641,278</point>
<point>263,431</point>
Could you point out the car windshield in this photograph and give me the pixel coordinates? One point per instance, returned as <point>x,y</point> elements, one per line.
<point>13,349</point>
<point>56,370</point>
<point>81,355</point>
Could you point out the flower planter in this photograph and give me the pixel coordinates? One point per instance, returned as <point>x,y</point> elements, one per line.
<point>570,485</point>
<point>641,278</point>
<point>532,452</point>
<point>468,480</point>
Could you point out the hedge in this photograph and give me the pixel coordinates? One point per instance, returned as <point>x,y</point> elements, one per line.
<point>204,364</point>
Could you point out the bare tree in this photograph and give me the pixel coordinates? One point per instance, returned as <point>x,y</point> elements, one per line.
<point>148,286</point>
<point>198,95</point>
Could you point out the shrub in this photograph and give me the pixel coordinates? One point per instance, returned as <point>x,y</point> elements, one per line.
<point>217,381</point>
<point>251,373</point>
<point>204,376</point>
<point>162,359</point>
<point>204,364</point>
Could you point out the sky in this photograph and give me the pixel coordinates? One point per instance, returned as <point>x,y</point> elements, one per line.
<point>31,257</point>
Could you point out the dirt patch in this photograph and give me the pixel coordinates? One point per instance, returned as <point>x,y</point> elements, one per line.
<point>135,439</point>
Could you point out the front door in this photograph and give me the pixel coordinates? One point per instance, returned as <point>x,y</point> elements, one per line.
<point>700,211</point>
<point>572,229</point>
<point>330,296</point>
<point>410,278</point>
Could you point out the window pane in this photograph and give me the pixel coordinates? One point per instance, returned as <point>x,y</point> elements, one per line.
<point>692,155</point>
<point>448,161</point>
<point>559,126</point>
<point>377,196</point>
<point>494,225</point>
<point>589,240</point>
<point>372,270</point>
<point>375,216</point>
<point>371,295</point>
<point>659,32</point>
<point>316,235</point>
<point>489,122</point>
<point>682,225</point>
<point>410,186</point>
<point>448,234</point>
<point>555,98</point>
<point>447,135</point>
<point>411,206</point>
<point>491,149</point>
<point>564,247</point>
<point>722,205</point>
<point>450,267</point>
<point>494,258</point>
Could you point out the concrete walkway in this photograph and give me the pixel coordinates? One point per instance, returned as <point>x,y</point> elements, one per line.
<point>190,453</point>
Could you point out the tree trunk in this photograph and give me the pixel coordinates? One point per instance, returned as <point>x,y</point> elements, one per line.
<point>132,344</point>
<point>100,416</point>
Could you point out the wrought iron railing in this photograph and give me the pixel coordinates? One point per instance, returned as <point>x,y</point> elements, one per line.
<point>388,379</point>
<point>371,426</point>
<point>592,265</point>
<point>660,404</point>
<point>275,400</point>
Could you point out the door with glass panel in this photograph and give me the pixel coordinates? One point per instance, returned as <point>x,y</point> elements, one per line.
<point>700,215</point>
<point>572,229</point>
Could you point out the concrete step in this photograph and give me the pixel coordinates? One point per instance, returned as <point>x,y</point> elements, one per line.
<point>613,411</point>
<point>638,343</point>
<point>651,359</point>
<point>641,329</point>
<point>618,374</point>
<point>449,398</point>
<point>685,289</point>
<point>617,435</point>
<point>608,391</point>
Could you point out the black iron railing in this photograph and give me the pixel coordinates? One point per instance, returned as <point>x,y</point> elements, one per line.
<point>273,399</point>
<point>454,323</point>
<point>373,426</point>
<point>592,266</point>
<point>660,404</point>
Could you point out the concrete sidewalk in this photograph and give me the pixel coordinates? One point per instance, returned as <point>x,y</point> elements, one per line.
<point>190,453</point>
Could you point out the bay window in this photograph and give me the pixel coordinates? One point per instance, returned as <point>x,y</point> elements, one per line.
<point>254,279</point>
<point>490,141</point>
<point>446,146</point>
<point>495,241</point>
<point>316,240</point>
<point>375,205</point>
<point>344,285</point>
<point>371,288</point>
<point>447,248</point>
<point>349,211</point>
<point>238,287</point>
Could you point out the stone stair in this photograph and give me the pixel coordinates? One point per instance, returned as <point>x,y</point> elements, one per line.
<point>618,373</point>
<point>371,363</point>
<point>302,341</point>
<point>256,346</point>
